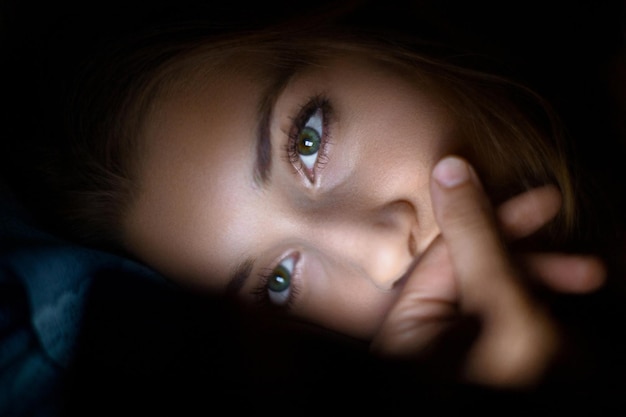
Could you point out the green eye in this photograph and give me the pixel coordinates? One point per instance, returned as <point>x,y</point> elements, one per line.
<point>280,280</point>
<point>307,145</point>
<point>308,141</point>
<point>278,285</point>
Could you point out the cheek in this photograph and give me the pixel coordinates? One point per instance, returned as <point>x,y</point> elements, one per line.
<point>393,158</point>
<point>392,154</point>
<point>413,136</point>
<point>397,132</point>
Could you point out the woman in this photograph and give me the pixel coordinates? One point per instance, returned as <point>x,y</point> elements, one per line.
<point>306,168</point>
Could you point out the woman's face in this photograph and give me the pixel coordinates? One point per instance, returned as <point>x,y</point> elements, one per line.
<point>308,192</point>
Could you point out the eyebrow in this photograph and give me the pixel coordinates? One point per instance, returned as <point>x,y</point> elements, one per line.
<point>239,276</point>
<point>262,165</point>
<point>263,160</point>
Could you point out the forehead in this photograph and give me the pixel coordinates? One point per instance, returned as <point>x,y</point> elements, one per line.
<point>193,136</point>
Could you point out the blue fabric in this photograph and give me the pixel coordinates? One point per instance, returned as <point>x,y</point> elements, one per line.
<point>44,282</point>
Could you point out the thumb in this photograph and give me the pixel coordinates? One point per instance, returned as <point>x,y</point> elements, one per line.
<point>517,338</point>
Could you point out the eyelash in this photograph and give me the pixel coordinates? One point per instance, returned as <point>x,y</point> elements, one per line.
<point>315,103</point>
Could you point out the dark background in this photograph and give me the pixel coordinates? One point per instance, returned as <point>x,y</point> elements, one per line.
<point>149,351</point>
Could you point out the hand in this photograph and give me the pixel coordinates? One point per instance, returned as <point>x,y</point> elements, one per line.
<point>523,215</point>
<point>468,272</point>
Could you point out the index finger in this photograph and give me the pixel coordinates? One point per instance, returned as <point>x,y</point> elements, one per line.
<point>517,338</point>
<point>469,227</point>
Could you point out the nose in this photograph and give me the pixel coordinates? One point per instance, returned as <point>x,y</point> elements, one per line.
<point>379,243</point>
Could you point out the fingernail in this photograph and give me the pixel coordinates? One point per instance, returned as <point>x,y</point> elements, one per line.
<point>451,171</point>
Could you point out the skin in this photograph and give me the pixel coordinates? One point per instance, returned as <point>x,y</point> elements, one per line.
<point>375,227</point>
<point>365,216</point>
<point>468,272</point>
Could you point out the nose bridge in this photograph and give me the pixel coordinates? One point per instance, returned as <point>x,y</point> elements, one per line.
<point>378,241</point>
